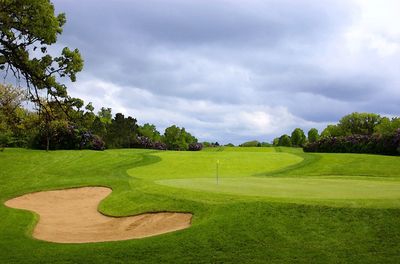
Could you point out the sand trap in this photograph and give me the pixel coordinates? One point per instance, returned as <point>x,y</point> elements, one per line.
<point>71,216</point>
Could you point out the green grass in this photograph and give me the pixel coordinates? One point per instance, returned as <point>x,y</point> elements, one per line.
<point>240,149</point>
<point>271,206</point>
<point>336,192</point>
<point>346,164</point>
<point>175,164</point>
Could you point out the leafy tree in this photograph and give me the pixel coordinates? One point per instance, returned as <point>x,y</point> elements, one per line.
<point>189,138</point>
<point>89,107</point>
<point>12,116</point>
<point>149,131</point>
<point>359,123</point>
<point>298,138</point>
<point>275,142</point>
<point>178,139</point>
<point>122,132</point>
<point>172,137</point>
<point>98,127</point>
<point>253,143</point>
<point>10,98</point>
<point>105,115</point>
<point>388,126</point>
<point>285,141</point>
<point>27,29</point>
<point>313,135</point>
<point>332,131</point>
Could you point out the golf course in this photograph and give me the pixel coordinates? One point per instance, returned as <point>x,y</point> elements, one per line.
<point>240,205</point>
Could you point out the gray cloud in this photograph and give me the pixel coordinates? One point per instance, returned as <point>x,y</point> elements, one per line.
<point>308,61</point>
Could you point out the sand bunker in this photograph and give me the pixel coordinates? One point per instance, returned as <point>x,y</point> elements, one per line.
<point>71,216</point>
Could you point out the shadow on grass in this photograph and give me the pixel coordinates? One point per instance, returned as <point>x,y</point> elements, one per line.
<point>307,160</point>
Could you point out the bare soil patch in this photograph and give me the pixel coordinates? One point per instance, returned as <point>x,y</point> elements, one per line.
<point>71,216</point>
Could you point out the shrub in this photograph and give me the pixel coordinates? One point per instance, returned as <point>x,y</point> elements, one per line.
<point>160,145</point>
<point>253,143</point>
<point>97,143</point>
<point>373,144</point>
<point>145,142</point>
<point>195,146</point>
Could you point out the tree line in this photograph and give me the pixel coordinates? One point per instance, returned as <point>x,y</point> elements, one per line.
<point>69,124</point>
<point>354,133</point>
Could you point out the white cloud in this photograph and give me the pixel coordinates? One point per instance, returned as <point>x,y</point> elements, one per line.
<point>376,28</point>
<point>206,119</point>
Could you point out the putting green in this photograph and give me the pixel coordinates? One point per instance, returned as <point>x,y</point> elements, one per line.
<point>359,192</point>
<point>175,164</point>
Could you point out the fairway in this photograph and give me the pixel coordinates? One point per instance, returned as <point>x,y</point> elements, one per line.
<point>271,205</point>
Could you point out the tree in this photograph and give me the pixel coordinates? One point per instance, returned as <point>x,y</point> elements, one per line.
<point>172,136</point>
<point>11,99</point>
<point>105,115</point>
<point>388,126</point>
<point>332,131</point>
<point>285,141</point>
<point>313,135</point>
<point>27,29</point>
<point>298,138</point>
<point>98,127</point>
<point>122,132</point>
<point>12,115</point>
<point>359,123</point>
<point>253,143</point>
<point>178,139</point>
<point>149,131</point>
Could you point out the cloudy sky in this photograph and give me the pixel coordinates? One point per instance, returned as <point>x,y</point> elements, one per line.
<point>236,70</point>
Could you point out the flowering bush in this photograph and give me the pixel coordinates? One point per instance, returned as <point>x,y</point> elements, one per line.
<point>97,143</point>
<point>374,144</point>
<point>145,142</point>
<point>195,146</point>
<point>160,146</point>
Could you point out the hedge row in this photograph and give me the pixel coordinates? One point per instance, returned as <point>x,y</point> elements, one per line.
<point>373,144</point>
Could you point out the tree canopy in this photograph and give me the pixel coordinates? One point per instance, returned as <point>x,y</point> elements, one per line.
<point>359,123</point>
<point>313,135</point>
<point>27,29</point>
<point>298,138</point>
<point>285,141</point>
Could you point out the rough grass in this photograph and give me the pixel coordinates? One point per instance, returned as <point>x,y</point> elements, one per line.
<point>227,228</point>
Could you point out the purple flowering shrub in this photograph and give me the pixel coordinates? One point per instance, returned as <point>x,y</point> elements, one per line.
<point>97,143</point>
<point>195,146</point>
<point>373,144</point>
<point>145,142</point>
